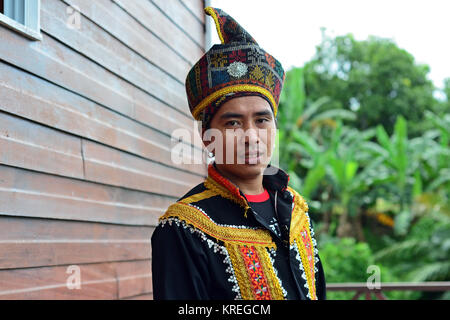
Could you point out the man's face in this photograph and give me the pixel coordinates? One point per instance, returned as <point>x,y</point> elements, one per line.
<point>242,135</point>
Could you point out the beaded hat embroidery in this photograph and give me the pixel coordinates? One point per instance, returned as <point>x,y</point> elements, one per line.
<point>236,67</point>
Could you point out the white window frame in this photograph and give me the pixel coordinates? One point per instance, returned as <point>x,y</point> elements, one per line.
<point>23,16</point>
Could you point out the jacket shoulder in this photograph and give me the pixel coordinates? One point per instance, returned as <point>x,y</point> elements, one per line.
<point>198,189</point>
<point>195,190</point>
<point>197,196</point>
<point>190,211</point>
<point>298,200</point>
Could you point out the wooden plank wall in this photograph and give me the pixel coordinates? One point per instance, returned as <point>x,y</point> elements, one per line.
<point>86,117</point>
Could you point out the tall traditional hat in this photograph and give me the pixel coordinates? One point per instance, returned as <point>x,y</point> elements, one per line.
<point>236,67</point>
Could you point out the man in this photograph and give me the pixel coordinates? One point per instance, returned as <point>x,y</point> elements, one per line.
<point>243,233</point>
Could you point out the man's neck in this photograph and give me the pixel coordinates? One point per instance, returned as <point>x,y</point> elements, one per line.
<point>251,186</point>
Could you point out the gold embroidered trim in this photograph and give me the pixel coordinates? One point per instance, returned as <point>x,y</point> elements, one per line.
<point>225,193</point>
<point>310,276</point>
<point>212,13</point>
<point>199,196</point>
<point>243,278</point>
<point>298,218</point>
<point>240,271</point>
<point>299,225</point>
<point>272,280</point>
<point>300,200</point>
<point>227,234</point>
<point>234,239</point>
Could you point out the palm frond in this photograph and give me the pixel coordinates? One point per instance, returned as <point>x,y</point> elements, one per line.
<point>439,270</point>
<point>402,250</point>
<point>335,114</point>
<point>315,107</point>
<point>443,177</point>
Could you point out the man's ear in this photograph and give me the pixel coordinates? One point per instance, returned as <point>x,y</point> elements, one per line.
<point>206,143</point>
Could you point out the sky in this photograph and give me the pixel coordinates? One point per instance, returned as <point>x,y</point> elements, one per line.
<point>290,29</point>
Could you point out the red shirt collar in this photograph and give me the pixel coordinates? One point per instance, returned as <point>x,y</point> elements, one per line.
<point>258,197</point>
<point>229,190</point>
<point>278,181</point>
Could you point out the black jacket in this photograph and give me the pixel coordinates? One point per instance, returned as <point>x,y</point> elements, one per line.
<point>211,244</point>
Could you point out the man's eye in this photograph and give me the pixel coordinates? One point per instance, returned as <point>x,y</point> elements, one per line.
<point>232,123</point>
<point>262,120</point>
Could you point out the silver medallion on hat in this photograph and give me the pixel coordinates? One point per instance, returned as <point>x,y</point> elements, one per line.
<point>237,69</point>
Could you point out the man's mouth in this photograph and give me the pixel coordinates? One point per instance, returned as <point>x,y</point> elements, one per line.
<point>252,158</point>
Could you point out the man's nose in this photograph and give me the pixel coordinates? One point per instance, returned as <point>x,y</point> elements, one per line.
<point>251,135</point>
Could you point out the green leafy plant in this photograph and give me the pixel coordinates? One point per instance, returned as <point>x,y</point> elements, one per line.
<point>374,170</point>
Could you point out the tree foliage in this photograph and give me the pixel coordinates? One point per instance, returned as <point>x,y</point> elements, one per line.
<point>375,78</point>
<point>373,165</point>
